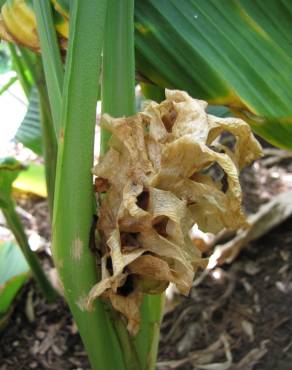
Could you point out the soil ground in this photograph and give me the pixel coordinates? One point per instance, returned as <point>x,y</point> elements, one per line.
<point>237,316</point>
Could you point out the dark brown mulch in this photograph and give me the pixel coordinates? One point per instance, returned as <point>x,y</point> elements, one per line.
<point>250,303</point>
<point>41,336</point>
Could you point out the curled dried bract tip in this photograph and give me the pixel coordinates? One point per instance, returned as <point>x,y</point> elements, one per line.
<point>166,170</point>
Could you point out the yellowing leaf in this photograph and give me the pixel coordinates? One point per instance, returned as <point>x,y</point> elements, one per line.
<point>32,180</point>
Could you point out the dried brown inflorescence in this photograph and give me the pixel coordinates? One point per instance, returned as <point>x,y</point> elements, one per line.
<point>159,182</point>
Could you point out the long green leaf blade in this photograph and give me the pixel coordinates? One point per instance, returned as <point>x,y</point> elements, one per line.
<point>236,53</point>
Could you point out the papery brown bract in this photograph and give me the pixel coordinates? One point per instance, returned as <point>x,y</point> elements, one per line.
<point>160,185</point>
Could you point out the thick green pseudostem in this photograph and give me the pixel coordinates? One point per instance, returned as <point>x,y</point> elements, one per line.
<point>15,225</point>
<point>118,99</point>
<point>73,206</point>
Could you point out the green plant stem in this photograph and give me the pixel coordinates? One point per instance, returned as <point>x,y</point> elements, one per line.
<point>50,147</point>
<point>118,99</point>
<point>118,73</point>
<point>51,56</point>
<point>147,340</point>
<point>20,70</point>
<point>73,206</point>
<point>127,343</point>
<point>15,225</point>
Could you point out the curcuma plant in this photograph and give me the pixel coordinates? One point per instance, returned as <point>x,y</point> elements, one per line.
<point>117,250</point>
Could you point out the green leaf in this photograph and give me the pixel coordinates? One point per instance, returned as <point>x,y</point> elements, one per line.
<point>9,170</point>
<point>32,180</point>
<point>9,83</point>
<point>29,132</point>
<point>51,57</point>
<point>152,92</point>
<point>219,111</point>
<point>234,53</point>
<point>14,272</point>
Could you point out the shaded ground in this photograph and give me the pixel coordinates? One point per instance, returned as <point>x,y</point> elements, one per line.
<point>238,317</point>
<point>41,336</point>
<point>249,303</point>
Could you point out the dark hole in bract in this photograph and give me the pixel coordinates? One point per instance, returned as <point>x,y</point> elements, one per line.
<point>224,182</point>
<point>143,200</point>
<point>217,174</point>
<point>215,171</point>
<point>109,265</point>
<point>227,139</point>
<point>160,226</point>
<point>127,288</point>
<point>169,119</point>
<point>129,239</point>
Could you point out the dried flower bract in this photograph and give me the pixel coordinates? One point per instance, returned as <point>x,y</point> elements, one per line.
<point>166,170</point>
